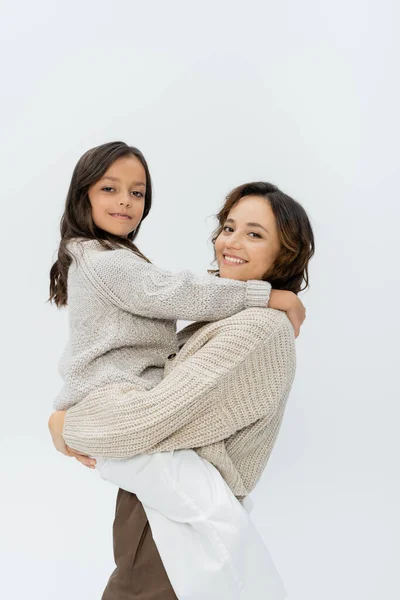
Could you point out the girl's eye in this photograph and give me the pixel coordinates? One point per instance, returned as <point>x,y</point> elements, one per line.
<point>254,233</point>
<point>227,228</point>
<point>108,188</point>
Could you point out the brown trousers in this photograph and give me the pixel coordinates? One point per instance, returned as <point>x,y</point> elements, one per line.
<point>140,573</point>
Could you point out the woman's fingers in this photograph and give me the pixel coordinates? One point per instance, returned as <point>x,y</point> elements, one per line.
<point>84,461</point>
<point>82,458</point>
<point>56,424</point>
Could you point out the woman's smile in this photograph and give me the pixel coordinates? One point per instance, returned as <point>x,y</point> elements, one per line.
<point>233,261</point>
<point>250,229</point>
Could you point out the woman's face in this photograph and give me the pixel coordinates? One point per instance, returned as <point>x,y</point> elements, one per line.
<point>248,245</point>
<point>117,199</point>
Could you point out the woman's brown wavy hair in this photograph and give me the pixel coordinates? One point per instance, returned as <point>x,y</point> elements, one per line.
<point>296,236</point>
<point>77,221</point>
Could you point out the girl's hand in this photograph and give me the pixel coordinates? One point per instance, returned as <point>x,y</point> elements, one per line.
<point>56,426</point>
<point>291,304</point>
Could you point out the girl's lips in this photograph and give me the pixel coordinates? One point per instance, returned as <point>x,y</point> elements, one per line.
<point>119,216</point>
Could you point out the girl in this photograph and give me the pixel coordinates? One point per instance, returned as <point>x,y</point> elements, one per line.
<point>116,296</point>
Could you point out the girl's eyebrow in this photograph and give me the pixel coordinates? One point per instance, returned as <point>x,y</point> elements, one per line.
<point>116,179</point>
<point>230,220</point>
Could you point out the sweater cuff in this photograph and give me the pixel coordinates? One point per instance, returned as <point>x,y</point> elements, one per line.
<point>257,293</point>
<point>71,439</point>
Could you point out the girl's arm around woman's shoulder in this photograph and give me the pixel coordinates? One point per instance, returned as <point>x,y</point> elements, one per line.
<point>140,287</point>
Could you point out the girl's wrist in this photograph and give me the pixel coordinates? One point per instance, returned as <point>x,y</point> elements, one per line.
<point>281,299</point>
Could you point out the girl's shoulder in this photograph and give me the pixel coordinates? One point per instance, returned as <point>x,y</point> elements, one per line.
<point>95,249</point>
<point>82,248</point>
<point>92,256</point>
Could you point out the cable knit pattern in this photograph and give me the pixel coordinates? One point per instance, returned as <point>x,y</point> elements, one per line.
<point>224,394</point>
<point>122,317</point>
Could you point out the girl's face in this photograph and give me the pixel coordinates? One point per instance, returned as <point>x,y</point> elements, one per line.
<point>248,245</point>
<point>117,199</point>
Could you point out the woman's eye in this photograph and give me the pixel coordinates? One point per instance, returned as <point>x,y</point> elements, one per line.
<point>105,189</point>
<point>255,234</point>
<point>138,194</point>
<point>227,228</point>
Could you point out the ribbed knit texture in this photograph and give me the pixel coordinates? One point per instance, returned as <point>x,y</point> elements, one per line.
<point>123,312</point>
<point>224,395</point>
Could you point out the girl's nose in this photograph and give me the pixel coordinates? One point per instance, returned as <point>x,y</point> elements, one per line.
<point>125,201</point>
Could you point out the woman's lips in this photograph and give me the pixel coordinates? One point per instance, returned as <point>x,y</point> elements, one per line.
<point>233,261</point>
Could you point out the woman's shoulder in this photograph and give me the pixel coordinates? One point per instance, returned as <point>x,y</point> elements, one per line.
<point>252,323</point>
<point>265,320</point>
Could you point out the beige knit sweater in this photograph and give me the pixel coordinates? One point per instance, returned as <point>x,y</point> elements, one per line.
<point>224,394</point>
<point>122,317</point>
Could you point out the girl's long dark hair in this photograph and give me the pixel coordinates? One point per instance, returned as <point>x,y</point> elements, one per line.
<point>77,221</point>
<point>296,237</point>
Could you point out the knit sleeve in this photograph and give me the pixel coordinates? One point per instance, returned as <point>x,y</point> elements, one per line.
<point>232,374</point>
<point>139,287</point>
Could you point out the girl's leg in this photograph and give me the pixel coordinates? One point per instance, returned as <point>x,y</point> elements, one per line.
<point>139,573</point>
<point>207,541</point>
<point>215,543</point>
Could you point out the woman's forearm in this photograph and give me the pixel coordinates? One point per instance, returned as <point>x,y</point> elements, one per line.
<point>201,400</point>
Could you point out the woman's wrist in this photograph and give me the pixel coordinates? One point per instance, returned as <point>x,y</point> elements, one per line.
<point>56,426</point>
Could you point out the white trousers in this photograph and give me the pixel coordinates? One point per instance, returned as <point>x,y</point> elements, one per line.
<point>206,539</point>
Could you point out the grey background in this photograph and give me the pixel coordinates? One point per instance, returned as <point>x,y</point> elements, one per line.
<point>303,94</point>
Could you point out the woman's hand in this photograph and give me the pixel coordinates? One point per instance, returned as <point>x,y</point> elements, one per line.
<point>291,304</point>
<point>56,426</point>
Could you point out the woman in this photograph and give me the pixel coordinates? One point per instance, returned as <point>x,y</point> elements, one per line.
<point>281,240</point>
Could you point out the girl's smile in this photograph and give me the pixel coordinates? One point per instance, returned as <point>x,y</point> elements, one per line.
<point>118,198</point>
<point>120,216</point>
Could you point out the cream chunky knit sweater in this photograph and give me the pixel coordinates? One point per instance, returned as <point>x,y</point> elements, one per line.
<point>223,394</point>
<point>122,317</point>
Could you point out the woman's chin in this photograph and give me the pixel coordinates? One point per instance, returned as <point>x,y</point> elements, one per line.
<point>230,273</point>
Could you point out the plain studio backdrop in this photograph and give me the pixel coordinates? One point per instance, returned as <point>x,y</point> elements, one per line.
<point>302,94</point>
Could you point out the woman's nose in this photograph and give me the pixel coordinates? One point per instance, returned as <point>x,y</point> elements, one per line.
<point>233,242</point>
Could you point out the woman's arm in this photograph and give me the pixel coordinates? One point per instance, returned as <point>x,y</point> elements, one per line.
<point>203,393</point>
<point>56,425</point>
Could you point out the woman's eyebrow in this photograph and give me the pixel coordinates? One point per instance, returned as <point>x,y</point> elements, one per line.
<point>116,179</point>
<point>257,225</point>
<point>230,220</point>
